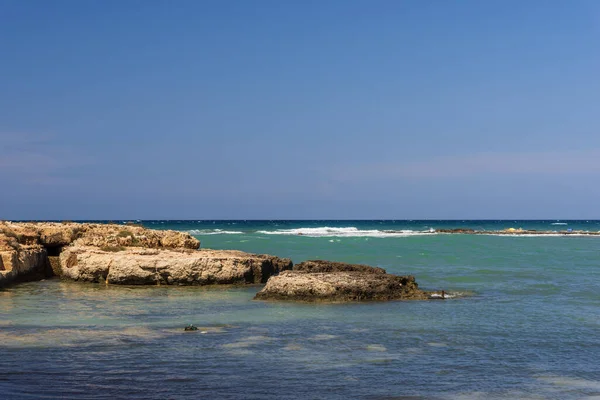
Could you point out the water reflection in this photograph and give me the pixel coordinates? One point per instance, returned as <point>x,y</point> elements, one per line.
<point>123,338</point>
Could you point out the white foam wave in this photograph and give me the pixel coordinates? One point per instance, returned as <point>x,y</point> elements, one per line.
<point>327,231</point>
<point>559,223</point>
<point>213,232</point>
<point>450,295</point>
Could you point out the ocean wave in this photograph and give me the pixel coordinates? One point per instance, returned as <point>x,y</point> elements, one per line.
<point>451,295</point>
<point>326,231</point>
<point>559,223</point>
<point>213,232</point>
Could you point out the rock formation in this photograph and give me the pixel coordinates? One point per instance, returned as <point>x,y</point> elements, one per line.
<point>141,266</point>
<point>332,281</point>
<point>54,234</point>
<point>123,254</point>
<point>334,266</point>
<point>20,263</point>
<point>133,255</point>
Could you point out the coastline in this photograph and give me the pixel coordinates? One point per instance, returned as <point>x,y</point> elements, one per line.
<point>134,255</point>
<point>123,254</point>
<point>527,329</point>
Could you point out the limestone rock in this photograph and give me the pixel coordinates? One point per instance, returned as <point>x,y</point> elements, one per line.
<point>22,264</point>
<point>59,234</point>
<point>137,266</point>
<point>124,254</point>
<point>30,249</point>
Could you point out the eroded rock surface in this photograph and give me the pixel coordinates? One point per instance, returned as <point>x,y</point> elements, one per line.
<point>123,254</point>
<point>59,234</point>
<point>333,281</point>
<point>135,266</point>
<point>22,264</point>
<point>133,255</point>
<point>311,266</point>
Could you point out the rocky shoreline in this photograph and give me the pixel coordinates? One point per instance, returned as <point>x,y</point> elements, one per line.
<point>123,254</point>
<point>134,255</point>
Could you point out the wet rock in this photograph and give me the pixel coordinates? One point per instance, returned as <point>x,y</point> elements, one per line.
<point>190,328</point>
<point>456,230</point>
<point>340,286</point>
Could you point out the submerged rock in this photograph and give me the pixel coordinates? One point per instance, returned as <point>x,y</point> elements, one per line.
<point>190,327</point>
<point>332,281</point>
<point>457,230</point>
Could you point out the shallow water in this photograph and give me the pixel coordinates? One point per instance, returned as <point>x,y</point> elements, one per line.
<point>529,327</point>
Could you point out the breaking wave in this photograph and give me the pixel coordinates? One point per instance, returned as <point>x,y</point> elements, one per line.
<point>559,223</point>
<point>213,232</point>
<point>451,295</point>
<point>327,231</point>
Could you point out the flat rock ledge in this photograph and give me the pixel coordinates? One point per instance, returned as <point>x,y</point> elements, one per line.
<point>326,281</point>
<point>169,267</point>
<point>123,254</point>
<point>335,266</point>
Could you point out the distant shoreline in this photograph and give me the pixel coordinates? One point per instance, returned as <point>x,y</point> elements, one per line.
<point>517,232</point>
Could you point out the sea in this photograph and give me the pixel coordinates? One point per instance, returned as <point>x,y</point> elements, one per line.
<point>522,321</point>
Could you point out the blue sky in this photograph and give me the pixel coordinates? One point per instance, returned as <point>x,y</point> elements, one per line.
<point>299,109</point>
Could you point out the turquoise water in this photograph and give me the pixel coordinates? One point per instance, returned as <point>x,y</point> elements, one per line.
<point>527,326</point>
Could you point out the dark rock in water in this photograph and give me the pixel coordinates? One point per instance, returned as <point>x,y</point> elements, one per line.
<point>456,230</point>
<point>332,281</point>
<point>313,266</point>
<point>190,327</point>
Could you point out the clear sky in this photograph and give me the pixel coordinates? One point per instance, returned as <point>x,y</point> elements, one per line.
<point>328,109</point>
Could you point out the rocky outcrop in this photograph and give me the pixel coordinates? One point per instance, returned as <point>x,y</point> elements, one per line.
<point>331,281</point>
<point>57,234</point>
<point>123,254</point>
<point>334,266</point>
<point>133,255</point>
<point>136,266</point>
<point>456,230</point>
<point>20,258</point>
<point>17,265</point>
